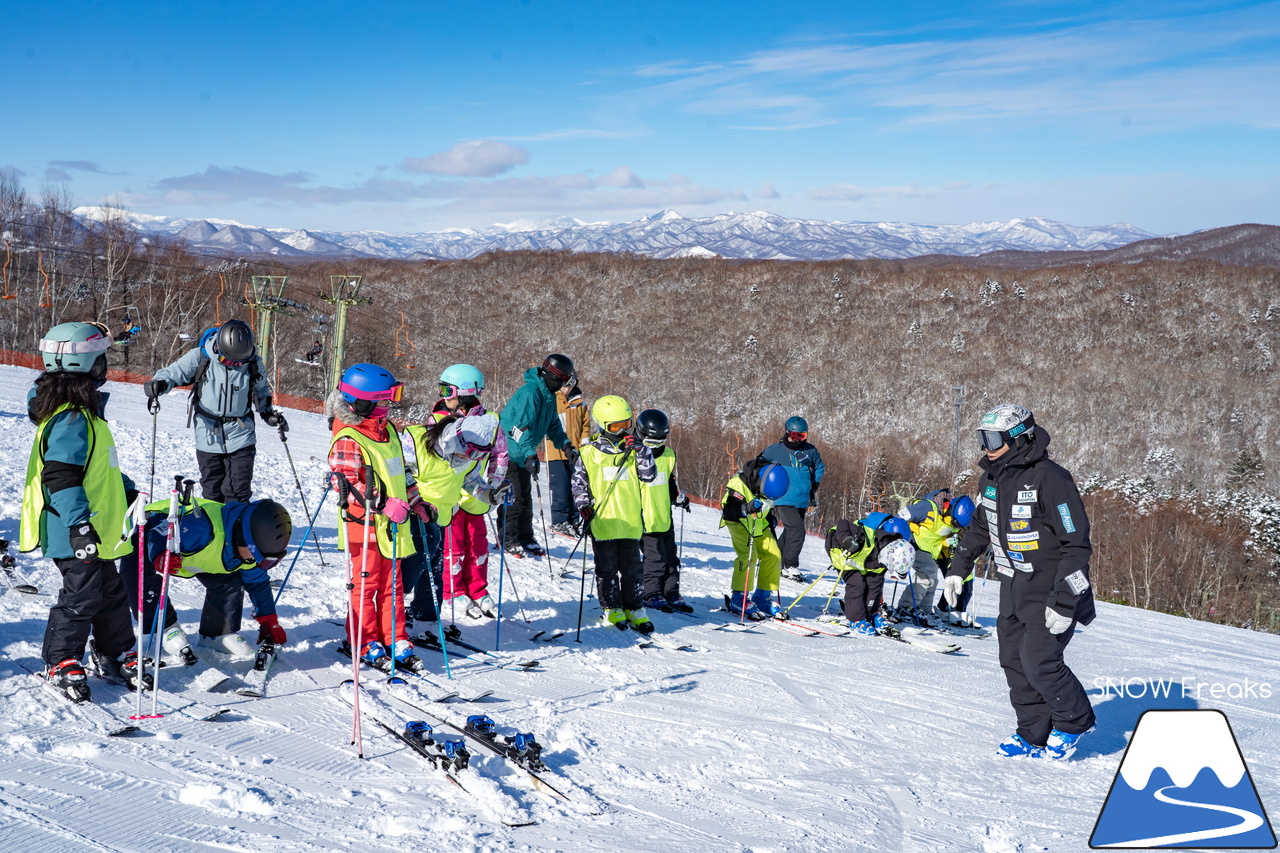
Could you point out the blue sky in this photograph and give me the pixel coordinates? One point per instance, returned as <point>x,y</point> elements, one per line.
<point>420,116</point>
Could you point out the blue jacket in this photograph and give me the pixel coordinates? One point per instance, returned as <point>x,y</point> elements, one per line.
<point>223,403</point>
<point>530,416</point>
<point>804,470</point>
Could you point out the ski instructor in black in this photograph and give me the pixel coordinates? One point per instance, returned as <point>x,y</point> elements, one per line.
<point>1038,533</point>
<point>227,382</point>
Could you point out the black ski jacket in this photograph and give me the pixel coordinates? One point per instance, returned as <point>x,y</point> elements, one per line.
<point>1031,516</point>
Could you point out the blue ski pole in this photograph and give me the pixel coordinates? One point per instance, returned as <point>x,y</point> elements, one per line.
<point>310,526</point>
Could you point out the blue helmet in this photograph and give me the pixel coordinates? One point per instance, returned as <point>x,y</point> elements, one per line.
<point>774,481</point>
<point>365,385</point>
<point>962,511</point>
<point>795,423</point>
<point>893,524</point>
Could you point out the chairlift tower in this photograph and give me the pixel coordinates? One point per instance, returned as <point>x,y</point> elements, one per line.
<point>268,297</point>
<point>957,400</point>
<point>344,292</point>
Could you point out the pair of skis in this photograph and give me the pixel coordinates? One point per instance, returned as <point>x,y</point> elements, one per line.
<point>416,682</point>
<point>9,567</point>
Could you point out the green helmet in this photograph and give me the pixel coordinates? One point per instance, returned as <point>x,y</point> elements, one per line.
<point>76,348</point>
<point>612,415</point>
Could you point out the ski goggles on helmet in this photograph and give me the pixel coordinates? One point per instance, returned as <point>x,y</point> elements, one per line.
<point>393,394</point>
<point>992,440</point>
<point>797,436</point>
<point>450,392</point>
<point>655,443</point>
<point>618,427</point>
<point>474,452</point>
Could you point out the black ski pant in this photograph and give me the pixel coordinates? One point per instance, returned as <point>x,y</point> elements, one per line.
<point>92,598</point>
<point>227,477</point>
<point>863,594</point>
<point>793,534</point>
<point>518,518</point>
<point>558,474</point>
<point>661,565</point>
<point>426,563</point>
<point>223,610</point>
<point>1045,693</point>
<point>619,576</point>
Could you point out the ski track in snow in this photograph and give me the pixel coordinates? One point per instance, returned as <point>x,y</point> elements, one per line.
<point>758,741</point>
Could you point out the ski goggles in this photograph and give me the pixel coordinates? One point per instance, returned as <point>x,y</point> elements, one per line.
<point>229,362</point>
<point>618,427</point>
<point>393,394</point>
<point>655,443</point>
<point>450,392</point>
<point>97,344</point>
<point>797,436</point>
<point>992,440</point>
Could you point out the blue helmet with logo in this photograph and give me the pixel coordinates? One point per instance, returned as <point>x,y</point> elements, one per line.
<point>900,526</point>
<point>364,386</point>
<point>962,511</point>
<point>795,423</point>
<point>774,481</point>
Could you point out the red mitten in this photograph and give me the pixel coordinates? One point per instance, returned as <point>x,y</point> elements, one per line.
<point>167,563</point>
<point>269,628</point>
<point>425,511</point>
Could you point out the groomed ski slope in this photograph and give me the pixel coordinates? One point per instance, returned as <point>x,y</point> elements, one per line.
<point>761,741</point>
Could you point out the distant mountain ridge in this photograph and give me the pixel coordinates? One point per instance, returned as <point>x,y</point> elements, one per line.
<point>667,234</point>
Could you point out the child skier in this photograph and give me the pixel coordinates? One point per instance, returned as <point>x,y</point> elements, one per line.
<point>74,506</point>
<point>376,497</point>
<point>452,463</point>
<point>861,554</point>
<point>746,509</point>
<point>661,561</point>
<point>935,522</point>
<point>229,549</point>
<point>607,483</point>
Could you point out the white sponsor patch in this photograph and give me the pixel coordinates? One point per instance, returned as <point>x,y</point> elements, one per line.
<point>395,466</point>
<point>1024,537</point>
<point>1003,561</point>
<point>1077,581</point>
<point>1027,497</point>
<point>1023,567</point>
<point>992,517</point>
<point>987,502</point>
<point>1005,570</point>
<point>517,433</point>
<point>659,479</point>
<point>112,459</point>
<point>1020,511</point>
<point>615,472</point>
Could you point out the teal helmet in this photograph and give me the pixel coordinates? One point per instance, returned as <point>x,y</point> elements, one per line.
<point>795,423</point>
<point>461,380</point>
<point>76,348</point>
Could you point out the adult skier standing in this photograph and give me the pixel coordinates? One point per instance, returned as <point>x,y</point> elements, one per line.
<point>1038,532</point>
<point>803,464</point>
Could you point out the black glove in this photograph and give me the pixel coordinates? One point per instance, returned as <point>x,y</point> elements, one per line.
<point>755,506</point>
<point>682,502</point>
<point>273,418</point>
<point>531,465</point>
<point>587,513</point>
<point>628,442</point>
<point>84,542</point>
<point>155,387</point>
<point>570,453</point>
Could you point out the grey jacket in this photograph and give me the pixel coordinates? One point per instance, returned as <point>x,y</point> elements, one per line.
<point>224,402</point>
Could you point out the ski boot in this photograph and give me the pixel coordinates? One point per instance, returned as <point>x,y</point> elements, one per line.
<point>472,609</point>
<point>533,549</point>
<point>405,658</point>
<point>792,573</point>
<point>517,551</point>
<point>639,620</point>
<point>615,616</point>
<point>862,626</point>
<point>565,528</point>
<point>375,655</point>
<point>488,607</point>
<point>229,644</point>
<point>1061,745</point>
<point>657,602</point>
<point>736,605</point>
<point>767,603</point>
<point>679,605</point>
<point>879,623</point>
<point>1015,747</point>
<point>69,679</point>
<point>122,669</point>
<point>175,642</point>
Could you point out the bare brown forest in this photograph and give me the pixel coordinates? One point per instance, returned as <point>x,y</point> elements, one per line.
<point>1156,380</point>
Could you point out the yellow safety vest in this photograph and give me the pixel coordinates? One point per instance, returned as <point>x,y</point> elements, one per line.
<point>655,497</point>
<point>208,560</point>
<point>756,525</point>
<point>387,459</point>
<point>931,534</point>
<point>848,561</point>
<point>438,484</point>
<point>616,489</point>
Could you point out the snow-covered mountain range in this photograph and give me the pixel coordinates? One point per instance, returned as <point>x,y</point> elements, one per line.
<point>667,234</point>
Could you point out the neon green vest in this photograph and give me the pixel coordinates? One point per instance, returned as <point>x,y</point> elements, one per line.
<point>655,497</point>
<point>931,534</point>
<point>470,503</point>
<point>387,459</point>
<point>438,484</point>
<point>847,561</point>
<point>103,487</point>
<point>616,489</point>
<point>208,560</point>
<point>756,525</point>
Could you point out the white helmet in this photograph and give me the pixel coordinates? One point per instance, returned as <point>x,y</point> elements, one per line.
<point>897,556</point>
<point>1005,423</point>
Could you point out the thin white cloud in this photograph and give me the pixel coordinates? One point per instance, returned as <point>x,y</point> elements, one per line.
<point>478,158</point>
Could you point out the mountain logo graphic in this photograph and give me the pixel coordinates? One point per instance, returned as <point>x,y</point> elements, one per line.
<point>1183,783</point>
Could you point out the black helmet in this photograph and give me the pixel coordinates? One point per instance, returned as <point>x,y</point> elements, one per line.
<point>556,371</point>
<point>266,528</point>
<point>234,341</point>
<point>653,426</point>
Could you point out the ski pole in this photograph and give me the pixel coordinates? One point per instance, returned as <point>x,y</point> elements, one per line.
<point>448,566</point>
<point>587,525</point>
<point>542,513</point>
<point>311,526</point>
<point>153,406</point>
<point>140,523</point>
<point>301,494</point>
<point>395,564</point>
<point>831,595</point>
<point>746,573</point>
<point>807,588</point>
<point>582,587</point>
<point>357,735</point>
<point>911,587</point>
<point>435,602</point>
<point>507,499</point>
<point>173,547</point>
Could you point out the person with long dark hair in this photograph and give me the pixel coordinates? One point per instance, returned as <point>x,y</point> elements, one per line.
<point>74,506</point>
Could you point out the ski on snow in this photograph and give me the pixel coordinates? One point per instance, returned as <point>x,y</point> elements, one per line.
<point>419,685</point>
<point>9,566</point>
<point>98,718</point>
<point>475,654</point>
<point>920,638</point>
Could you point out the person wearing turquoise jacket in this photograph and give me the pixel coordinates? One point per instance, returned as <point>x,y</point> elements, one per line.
<point>74,509</point>
<point>527,418</point>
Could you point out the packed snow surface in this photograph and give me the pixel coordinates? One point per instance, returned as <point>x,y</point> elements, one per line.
<point>758,741</point>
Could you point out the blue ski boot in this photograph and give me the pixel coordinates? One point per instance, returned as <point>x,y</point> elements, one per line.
<point>736,604</point>
<point>1062,744</point>
<point>1015,747</point>
<point>375,655</point>
<point>766,602</point>
<point>862,626</point>
<point>405,657</point>
<point>879,623</point>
